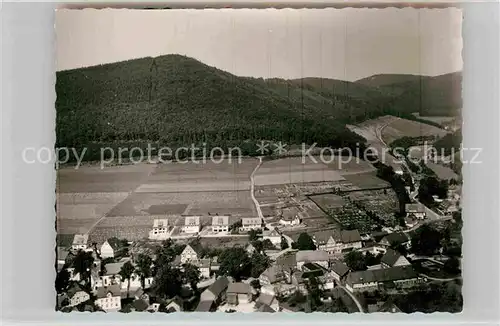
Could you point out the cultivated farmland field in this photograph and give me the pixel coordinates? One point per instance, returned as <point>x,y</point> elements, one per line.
<point>401,127</point>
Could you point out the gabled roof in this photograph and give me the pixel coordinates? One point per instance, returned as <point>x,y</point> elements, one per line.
<point>340,268</point>
<point>382,275</point>
<point>140,305</point>
<point>204,306</point>
<point>396,238</point>
<point>322,237</point>
<point>218,286</point>
<point>271,233</point>
<point>251,221</point>
<point>114,268</point>
<point>390,257</point>
<point>220,220</point>
<point>287,260</point>
<point>196,246</point>
<point>239,288</point>
<point>80,239</point>
<point>205,263</point>
<point>415,208</point>
<point>262,307</point>
<point>350,236</point>
<point>102,292</point>
<point>265,298</point>
<point>389,306</point>
<point>312,255</point>
<point>74,289</point>
<point>115,243</point>
<point>160,223</point>
<point>273,272</point>
<point>192,220</point>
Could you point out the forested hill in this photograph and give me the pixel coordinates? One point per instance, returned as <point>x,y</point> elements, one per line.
<point>430,96</point>
<point>175,99</point>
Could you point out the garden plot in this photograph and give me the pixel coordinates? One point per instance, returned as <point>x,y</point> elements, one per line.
<point>351,217</point>
<point>382,203</point>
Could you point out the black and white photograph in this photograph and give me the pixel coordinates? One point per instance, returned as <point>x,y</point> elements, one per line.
<point>259,160</point>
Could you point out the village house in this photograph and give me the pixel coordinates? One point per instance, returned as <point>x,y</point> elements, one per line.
<point>370,280</point>
<point>238,293</point>
<point>272,235</point>
<point>109,298</point>
<point>220,224</point>
<point>393,258</point>
<point>61,254</point>
<point>175,305</point>
<point>204,266</point>
<point>395,239</point>
<point>77,295</point>
<point>266,303</point>
<point>319,257</point>
<point>191,225</point>
<point>191,253</point>
<point>415,210</point>
<point>217,291</point>
<point>160,230</point>
<point>250,223</point>
<point>80,242</point>
<point>292,220</point>
<point>272,274</point>
<point>111,247</point>
<point>111,276</point>
<point>339,271</point>
<point>214,264</point>
<point>335,242</point>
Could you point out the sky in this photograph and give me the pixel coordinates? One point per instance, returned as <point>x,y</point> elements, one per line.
<point>346,44</point>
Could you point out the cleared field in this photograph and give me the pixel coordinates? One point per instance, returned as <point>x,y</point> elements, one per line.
<point>401,127</point>
<point>76,212</point>
<point>194,203</point>
<point>292,170</point>
<point>442,172</point>
<point>204,176</point>
<point>110,179</point>
<point>366,181</point>
<point>440,120</point>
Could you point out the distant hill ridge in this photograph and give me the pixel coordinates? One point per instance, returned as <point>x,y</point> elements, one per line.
<point>177,99</point>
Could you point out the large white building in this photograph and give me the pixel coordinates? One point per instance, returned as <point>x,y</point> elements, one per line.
<point>220,224</point>
<point>160,230</point>
<point>416,210</point>
<point>272,235</point>
<point>192,224</point>
<point>335,242</point>
<point>109,298</point>
<point>250,223</point>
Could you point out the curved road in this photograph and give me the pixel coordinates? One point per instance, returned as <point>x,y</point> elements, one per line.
<point>353,297</point>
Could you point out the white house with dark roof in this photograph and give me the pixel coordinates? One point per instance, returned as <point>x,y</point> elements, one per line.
<point>160,230</point>
<point>191,253</point>
<point>250,223</point>
<point>192,224</point>
<point>80,242</point>
<point>416,211</point>
<point>339,271</point>
<point>220,224</point>
<point>111,247</point>
<point>204,266</point>
<point>392,258</point>
<point>319,257</point>
<point>370,280</point>
<point>109,298</point>
<point>334,241</point>
<point>272,235</point>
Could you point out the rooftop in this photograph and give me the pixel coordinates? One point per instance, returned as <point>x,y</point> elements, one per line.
<point>218,286</point>
<point>382,275</point>
<point>312,255</point>
<point>103,291</point>
<point>251,221</point>
<point>220,220</point>
<point>239,287</point>
<point>390,257</point>
<point>192,220</point>
<point>340,268</point>
<point>159,223</point>
<point>349,236</point>
<point>415,208</point>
